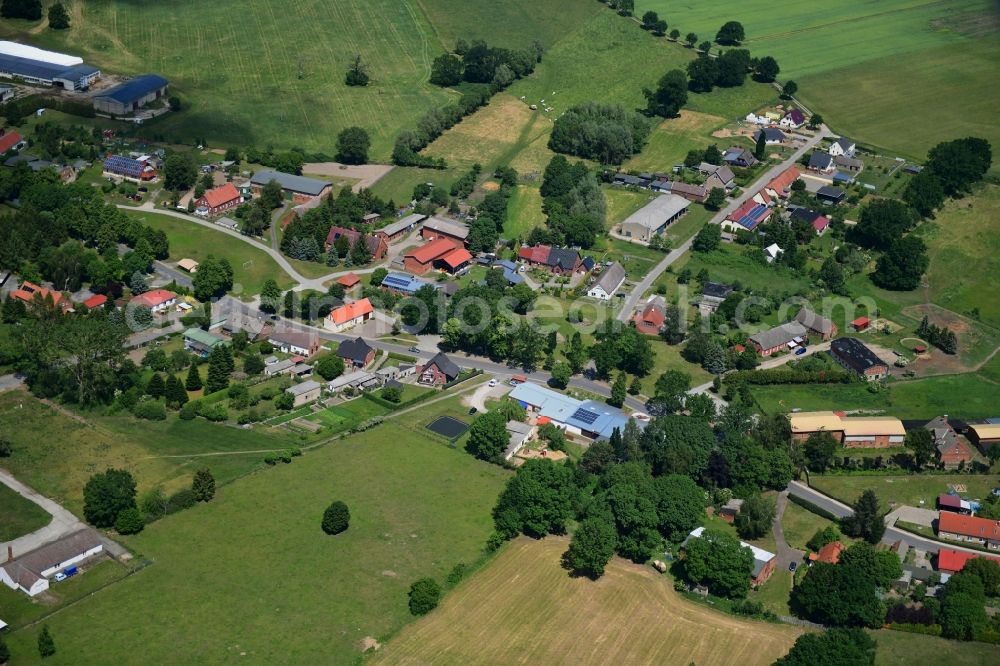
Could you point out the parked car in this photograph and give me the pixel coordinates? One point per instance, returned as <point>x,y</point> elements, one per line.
<point>493,382</point>
<point>473,410</point>
<point>414,349</point>
<point>60,577</point>
<point>792,566</point>
<point>800,351</point>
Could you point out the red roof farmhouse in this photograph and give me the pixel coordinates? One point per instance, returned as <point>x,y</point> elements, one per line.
<point>218,199</point>
<point>969,529</point>
<point>156,300</point>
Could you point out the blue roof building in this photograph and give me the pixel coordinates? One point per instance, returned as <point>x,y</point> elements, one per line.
<point>131,95</point>
<point>587,417</point>
<point>402,282</point>
<point>29,70</point>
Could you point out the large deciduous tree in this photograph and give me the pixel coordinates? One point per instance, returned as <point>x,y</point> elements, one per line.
<point>730,33</point>
<point>593,544</point>
<point>718,561</point>
<point>670,94</point>
<point>488,436</point>
<point>106,495</point>
<point>352,145</point>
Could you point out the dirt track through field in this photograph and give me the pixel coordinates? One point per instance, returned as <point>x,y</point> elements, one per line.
<point>366,174</point>
<point>523,608</point>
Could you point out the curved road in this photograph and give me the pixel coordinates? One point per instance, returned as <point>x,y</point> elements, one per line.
<point>303,281</point>
<point>892,533</point>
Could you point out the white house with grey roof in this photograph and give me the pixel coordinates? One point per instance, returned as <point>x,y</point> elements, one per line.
<point>612,278</point>
<point>30,572</point>
<point>655,217</point>
<point>842,146</point>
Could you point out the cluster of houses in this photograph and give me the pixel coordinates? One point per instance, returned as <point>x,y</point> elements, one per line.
<point>838,163</point>
<point>789,120</point>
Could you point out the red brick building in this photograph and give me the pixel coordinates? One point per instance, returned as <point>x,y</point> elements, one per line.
<point>439,370</point>
<point>952,448</point>
<point>441,253</point>
<point>377,245</point>
<point>218,199</point>
<point>561,261</point>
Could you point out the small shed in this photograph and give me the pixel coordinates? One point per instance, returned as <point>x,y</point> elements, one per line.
<point>189,265</point>
<point>861,324</point>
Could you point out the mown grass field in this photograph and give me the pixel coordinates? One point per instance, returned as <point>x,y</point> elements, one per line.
<point>19,516</point>
<point>251,266</point>
<point>896,648</point>
<point>523,607</point>
<point>898,74</point>
<point>524,212</point>
<point>908,103</point>
<point>267,72</point>
<point>908,490</point>
<point>251,575</point>
<point>967,396</point>
<point>800,524</point>
<point>851,32</point>
<point>671,140</point>
<point>55,454</point>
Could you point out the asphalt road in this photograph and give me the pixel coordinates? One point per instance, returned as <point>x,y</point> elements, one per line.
<point>502,370</point>
<point>637,293</point>
<point>62,523</point>
<point>892,533</point>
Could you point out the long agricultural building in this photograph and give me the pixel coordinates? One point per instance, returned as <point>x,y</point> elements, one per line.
<point>132,95</point>
<point>33,65</point>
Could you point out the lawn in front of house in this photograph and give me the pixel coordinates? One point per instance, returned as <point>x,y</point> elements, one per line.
<point>799,525</point>
<point>908,490</point>
<point>18,515</point>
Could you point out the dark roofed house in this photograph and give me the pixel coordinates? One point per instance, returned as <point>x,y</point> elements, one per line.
<point>30,572</point>
<point>831,194</point>
<point>772,135</point>
<point>356,353</point>
<point>132,95</point>
<point>952,448</point>
<point>852,354</point>
<point>712,296</point>
<point>439,370</point>
<point>556,259</point>
<point>611,279</point>
<point>821,162</point>
<point>848,163</point>
<point>779,338</point>
<point>297,188</point>
<point>821,326</point>
<point>740,157</point>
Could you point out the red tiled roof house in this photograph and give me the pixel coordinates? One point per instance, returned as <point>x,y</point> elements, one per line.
<point>156,300</point>
<point>982,532</point>
<point>218,199</point>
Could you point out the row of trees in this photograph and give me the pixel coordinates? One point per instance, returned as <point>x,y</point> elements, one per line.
<point>109,499</point>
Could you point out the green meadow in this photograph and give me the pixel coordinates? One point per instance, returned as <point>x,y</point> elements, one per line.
<point>252,576</point>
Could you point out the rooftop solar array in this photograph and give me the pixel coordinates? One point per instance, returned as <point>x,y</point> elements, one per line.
<point>751,219</point>
<point>123,165</point>
<point>585,415</point>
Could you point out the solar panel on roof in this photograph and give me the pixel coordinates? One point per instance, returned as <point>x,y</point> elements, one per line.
<point>585,415</point>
